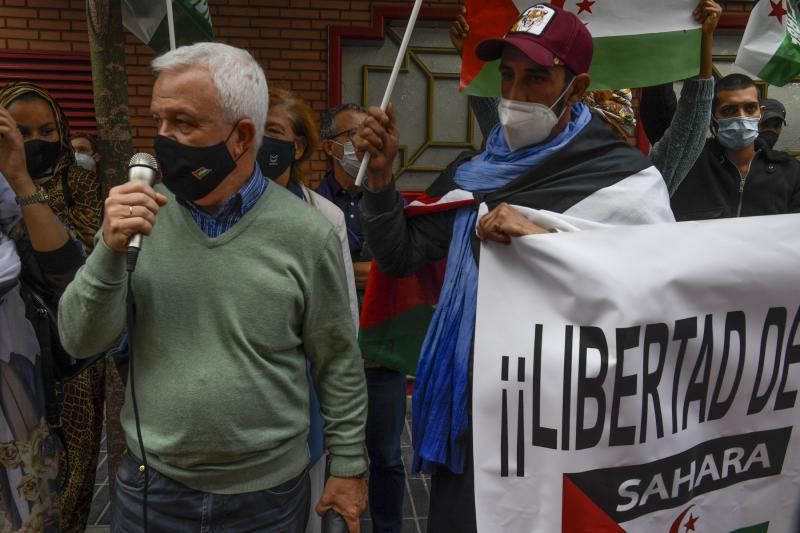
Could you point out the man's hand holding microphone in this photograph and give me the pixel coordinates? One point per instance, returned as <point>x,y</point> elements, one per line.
<point>131,208</point>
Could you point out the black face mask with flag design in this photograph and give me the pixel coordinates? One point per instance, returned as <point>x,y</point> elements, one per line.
<point>193,172</point>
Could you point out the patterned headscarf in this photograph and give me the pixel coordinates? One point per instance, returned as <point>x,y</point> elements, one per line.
<point>76,196</point>
<point>616,107</point>
<point>66,157</point>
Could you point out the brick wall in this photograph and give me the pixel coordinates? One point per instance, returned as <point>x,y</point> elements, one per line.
<point>288,38</point>
<point>737,6</point>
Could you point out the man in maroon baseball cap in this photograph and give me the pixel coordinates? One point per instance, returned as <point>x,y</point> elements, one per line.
<point>549,152</point>
<point>545,57</point>
<point>549,37</point>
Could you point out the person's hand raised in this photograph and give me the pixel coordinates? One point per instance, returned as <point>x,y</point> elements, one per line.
<point>459,30</point>
<point>379,137</point>
<point>12,155</point>
<point>707,13</point>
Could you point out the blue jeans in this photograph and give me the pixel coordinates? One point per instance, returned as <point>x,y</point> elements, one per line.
<point>172,506</point>
<point>386,397</point>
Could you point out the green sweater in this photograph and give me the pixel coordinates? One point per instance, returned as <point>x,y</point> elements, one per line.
<point>223,330</point>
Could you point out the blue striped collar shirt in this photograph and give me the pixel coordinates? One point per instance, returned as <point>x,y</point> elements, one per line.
<point>233,210</point>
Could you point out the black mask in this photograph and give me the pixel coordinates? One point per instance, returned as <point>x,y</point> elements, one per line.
<point>192,172</point>
<point>275,156</point>
<point>769,137</point>
<point>40,156</point>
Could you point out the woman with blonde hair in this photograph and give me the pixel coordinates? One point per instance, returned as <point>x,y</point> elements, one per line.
<point>290,139</point>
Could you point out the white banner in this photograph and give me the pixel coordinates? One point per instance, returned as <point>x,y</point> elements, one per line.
<point>640,379</point>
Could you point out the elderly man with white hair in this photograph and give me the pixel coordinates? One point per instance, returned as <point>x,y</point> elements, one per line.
<point>235,288</point>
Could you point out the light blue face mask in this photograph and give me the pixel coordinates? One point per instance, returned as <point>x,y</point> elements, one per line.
<point>738,132</point>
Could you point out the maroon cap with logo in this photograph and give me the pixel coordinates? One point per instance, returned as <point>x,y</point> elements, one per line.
<point>549,36</point>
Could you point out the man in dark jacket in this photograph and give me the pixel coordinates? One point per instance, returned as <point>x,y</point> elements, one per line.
<point>736,174</point>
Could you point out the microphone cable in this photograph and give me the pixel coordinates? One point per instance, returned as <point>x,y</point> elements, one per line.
<point>131,320</point>
<point>142,168</point>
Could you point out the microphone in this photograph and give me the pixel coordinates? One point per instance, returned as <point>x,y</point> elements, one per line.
<point>143,168</point>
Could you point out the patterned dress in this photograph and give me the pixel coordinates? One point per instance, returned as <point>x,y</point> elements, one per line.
<point>79,207</point>
<point>75,196</point>
<point>28,451</point>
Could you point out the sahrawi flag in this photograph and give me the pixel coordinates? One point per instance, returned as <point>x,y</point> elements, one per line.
<point>147,20</point>
<point>396,312</point>
<point>770,47</point>
<point>636,43</point>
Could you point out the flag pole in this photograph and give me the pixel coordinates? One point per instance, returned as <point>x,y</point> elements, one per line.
<point>170,25</point>
<point>412,21</point>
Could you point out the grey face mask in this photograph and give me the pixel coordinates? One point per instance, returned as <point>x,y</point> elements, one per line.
<point>349,161</point>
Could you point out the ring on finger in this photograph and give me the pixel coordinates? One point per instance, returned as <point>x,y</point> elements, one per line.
<point>130,210</point>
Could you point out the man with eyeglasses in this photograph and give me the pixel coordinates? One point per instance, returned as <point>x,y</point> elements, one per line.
<point>386,388</point>
<point>339,184</point>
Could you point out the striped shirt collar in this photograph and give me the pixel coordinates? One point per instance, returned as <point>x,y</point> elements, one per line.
<point>214,225</point>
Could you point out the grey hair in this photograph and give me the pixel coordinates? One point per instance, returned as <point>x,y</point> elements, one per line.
<point>238,78</point>
<point>327,126</point>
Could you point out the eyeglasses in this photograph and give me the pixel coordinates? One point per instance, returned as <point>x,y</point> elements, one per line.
<point>349,132</point>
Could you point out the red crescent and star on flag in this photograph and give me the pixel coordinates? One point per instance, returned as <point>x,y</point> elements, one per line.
<point>777,10</point>
<point>688,526</point>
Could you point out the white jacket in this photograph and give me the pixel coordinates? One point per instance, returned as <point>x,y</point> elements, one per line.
<point>335,216</point>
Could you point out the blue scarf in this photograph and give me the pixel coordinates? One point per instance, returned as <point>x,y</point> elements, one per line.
<point>441,393</point>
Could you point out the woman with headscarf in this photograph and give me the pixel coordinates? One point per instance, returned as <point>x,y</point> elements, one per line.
<point>73,192</point>
<point>38,258</point>
<point>74,195</point>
